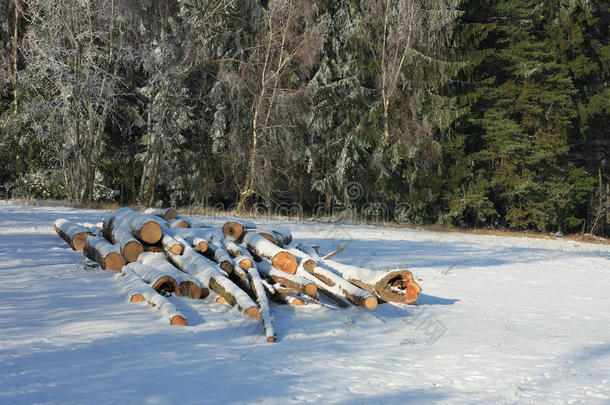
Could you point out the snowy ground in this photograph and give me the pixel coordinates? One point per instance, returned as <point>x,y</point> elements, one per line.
<point>500,320</point>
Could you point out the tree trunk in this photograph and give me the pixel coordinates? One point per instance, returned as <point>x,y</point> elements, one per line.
<point>75,235</point>
<point>15,54</point>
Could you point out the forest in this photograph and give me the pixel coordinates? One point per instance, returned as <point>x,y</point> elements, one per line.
<point>457,113</point>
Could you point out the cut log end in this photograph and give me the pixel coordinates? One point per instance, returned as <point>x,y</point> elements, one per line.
<point>132,251</point>
<point>298,302</point>
<point>190,289</point>
<point>205,291</point>
<point>201,247</point>
<point>136,298</point>
<point>246,263</point>
<point>78,241</point>
<point>151,232</point>
<point>253,312</point>
<point>114,261</point>
<point>176,249</point>
<point>412,292</point>
<point>226,266</point>
<point>310,289</point>
<point>285,261</point>
<point>370,302</point>
<point>232,229</point>
<point>270,339</point>
<point>221,300</point>
<point>180,224</point>
<point>166,285</point>
<point>178,320</point>
<point>309,265</point>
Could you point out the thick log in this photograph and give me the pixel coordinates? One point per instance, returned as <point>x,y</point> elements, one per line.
<point>236,229</point>
<point>208,274</point>
<point>280,258</point>
<point>75,235</point>
<point>167,214</point>
<point>189,286</point>
<point>279,235</point>
<point>338,285</point>
<point>147,228</point>
<point>139,291</point>
<point>107,255</point>
<point>129,246</point>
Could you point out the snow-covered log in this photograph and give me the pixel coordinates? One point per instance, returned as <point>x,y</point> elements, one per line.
<point>160,281</point>
<point>280,258</point>
<point>240,254</point>
<point>130,247</point>
<point>210,276</point>
<point>107,255</point>
<point>139,291</point>
<point>75,235</point>
<point>195,238</point>
<point>261,297</point>
<point>279,235</point>
<point>293,281</point>
<point>167,213</point>
<point>337,284</point>
<point>179,223</point>
<point>392,286</point>
<point>147,228</point>
<point>236,229</point>
<point>189,286</point>
<point>222,257</point>
<point>171,244</point>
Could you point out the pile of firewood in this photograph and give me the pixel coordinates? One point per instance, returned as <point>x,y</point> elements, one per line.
<point>158,253</point>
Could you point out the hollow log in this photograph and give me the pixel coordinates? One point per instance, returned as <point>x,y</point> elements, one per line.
<point>280,258</point>
<point>189,286</point>
<point>107,255</point>
<point>138,291</point>
<point>208,274</point>
<point>338,285</point>
<point>130,247</point>
<point>75,235</point>
<point>392,286</point>
<point>167,213</point>
<point>147,228</point>
<point>236,229</point>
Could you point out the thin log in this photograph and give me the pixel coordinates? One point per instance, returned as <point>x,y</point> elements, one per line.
<point>189,286</point>
<point>261,297</point>
<point>208,274</point>
<point>331,254</point>
<point>130,247</point>
<point>280,258</point>
<point>279,235</point>
<point>75,235</point>
<point>139,291</point>
<point>107,255</point>
<point>339,286</point>
<point>293,281</point>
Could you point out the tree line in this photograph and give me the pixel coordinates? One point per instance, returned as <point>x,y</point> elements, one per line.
<point>466,113</point>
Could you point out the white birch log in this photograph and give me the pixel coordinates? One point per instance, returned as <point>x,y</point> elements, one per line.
<point>139,291</point>
<point>75,235</point>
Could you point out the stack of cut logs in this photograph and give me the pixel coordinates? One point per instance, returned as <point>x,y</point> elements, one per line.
<point>158,253</point>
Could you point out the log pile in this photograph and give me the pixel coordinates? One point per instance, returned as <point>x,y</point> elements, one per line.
<point>160,254</point>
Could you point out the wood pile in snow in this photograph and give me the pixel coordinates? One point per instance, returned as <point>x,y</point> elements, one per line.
<point>159,254</point>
